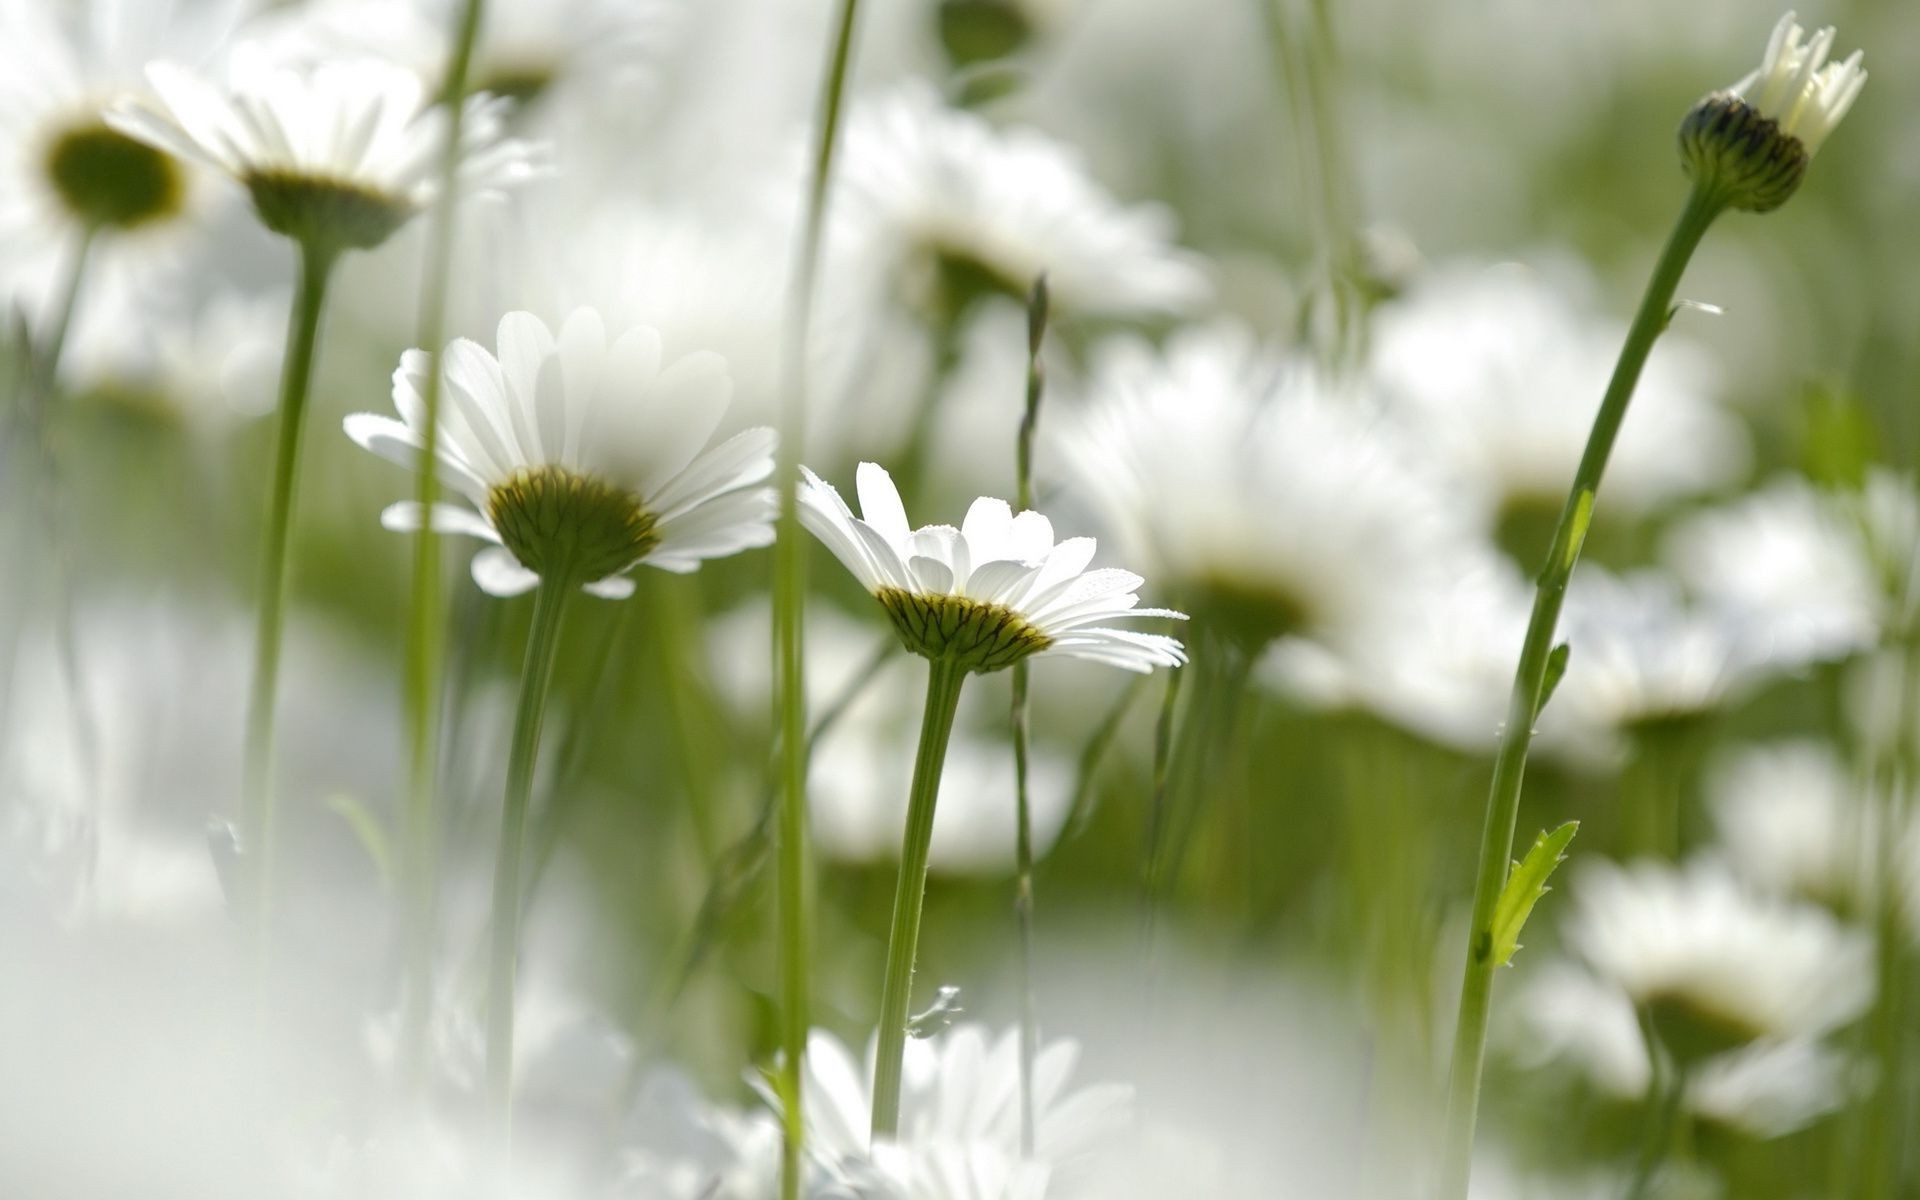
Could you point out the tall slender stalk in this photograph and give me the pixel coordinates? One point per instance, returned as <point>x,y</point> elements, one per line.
<point>1023,809</point>
<point>543,638</point>
<point>944,680</point>
<point>789,588</point>
<point>296,379</point>
<point>426,626</point>
<point>1503,802</point>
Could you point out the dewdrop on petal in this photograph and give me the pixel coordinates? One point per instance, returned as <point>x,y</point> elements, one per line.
<point>1750,144</point>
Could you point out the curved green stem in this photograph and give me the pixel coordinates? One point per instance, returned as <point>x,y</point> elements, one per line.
<point>944,680</point>
<point>789,587</point>
<point>426,625</point>
<point>1529,681</point>
<point>543,638</point>
<point>296,379</point>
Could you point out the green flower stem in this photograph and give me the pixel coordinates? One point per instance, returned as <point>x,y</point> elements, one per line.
<point>296,380</point>
<point>543,638</point>
<point>1503,803</point>
<point>789,593</point>
<point>944,680</point>
<point>1023,809</point>
<point>426,624</point>
<point>1666,1093</point>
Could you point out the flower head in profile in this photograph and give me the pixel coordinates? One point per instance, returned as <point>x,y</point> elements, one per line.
<point>582,457</point>
<point>990,593</point>
<point>1750,144</point>
<point>961,210</point>
<point>339,153</point>
<point>1715,965</point>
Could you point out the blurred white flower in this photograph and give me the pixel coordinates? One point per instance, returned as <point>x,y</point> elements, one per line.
<point>1791,559</point>
<point>1263,496</point>
<point>1564,1015</point>
<point>1702,950</point>
<point>1498,371</point>
<point>1641,653</point>
<point>583,457</point>
<point>343,151</point>
<point>63,170</point>
<point>990,593</point>
<point>951,209</point>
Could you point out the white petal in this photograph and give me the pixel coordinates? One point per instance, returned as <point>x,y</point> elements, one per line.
<point>404,517</point>
<point>613,587</point>
<point>880,504</point>
<point>499,573</point>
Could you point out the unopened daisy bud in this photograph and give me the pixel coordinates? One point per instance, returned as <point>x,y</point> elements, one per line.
<point>1749,146</point>
<point>989,594</point>
<point>337,155</point>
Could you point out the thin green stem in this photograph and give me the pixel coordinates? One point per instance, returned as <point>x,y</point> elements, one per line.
<point>789,592</point>
<point>944,680</point>
<point>543,638</point>
<point>426,624</point>
<point>1666,1095</point>
<point>1503,802</point>
<point>1023,810</point>
<point>296,380</point>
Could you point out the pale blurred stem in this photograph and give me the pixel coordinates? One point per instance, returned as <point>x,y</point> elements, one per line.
<point>1886,1124</point>
<point>1666,1096</point>
<point>789,591</point>
<point>1023,811</point>
<point>543,638</point>
<point>1203,738</point>
<point>1308,71</point>
<point>426,623</point>
<point>296,380</point>
<point>912,461</point>
<point>1503,802</point>
<point>944,680</point>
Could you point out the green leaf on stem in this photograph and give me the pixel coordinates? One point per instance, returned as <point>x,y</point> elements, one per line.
<point>1556,670</point>
<point>1525,887</point>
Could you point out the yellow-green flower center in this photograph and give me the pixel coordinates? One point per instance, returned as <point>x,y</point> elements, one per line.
<point>521,82</point>
<point>980,31</point>
<point>1694,1030</point>
<point>978,636</point>
<point>109,180</point>
<point>1249,613</point>
<point>570,527</point>
<point>1743,158</point>
<point>332,212</point>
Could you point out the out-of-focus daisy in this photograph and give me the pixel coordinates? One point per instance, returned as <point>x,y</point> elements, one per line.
<point>957,209</point>
<point>63,170</point>
<point>582,457</point>
<point>1499,371</point>
<point>1790,558</point>
<point>1715,964</point>
<point>990,593</point>
<point>1642,654</point>
<point>1269,501</point>
<point>1566,1016</point>
<point>961,1096</point>
<point>339,153</point>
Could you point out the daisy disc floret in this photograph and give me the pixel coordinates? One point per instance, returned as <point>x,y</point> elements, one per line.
<point>582,457</point>
<point>986,595</point>
<point>339,153</point>
<point>1750,144</point>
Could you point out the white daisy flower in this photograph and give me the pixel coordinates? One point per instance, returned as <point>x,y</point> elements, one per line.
<point>582,457</point>
<point>1266,497</point>
<point>341,152</point>
<point>959,209</point>
<point>961,1095</point>
<point>1797,87</point>
<point>1498,371</point>
<point>63,170</point>
<point>1717,965</point>
<point>1790,558</point>
<point>1749,146</point>
<point>990,593</point>
<point>1564,1015</point>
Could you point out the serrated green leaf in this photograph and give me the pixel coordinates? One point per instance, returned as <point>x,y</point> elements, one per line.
<point>1556,669</point>
<point>1525,887</point>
